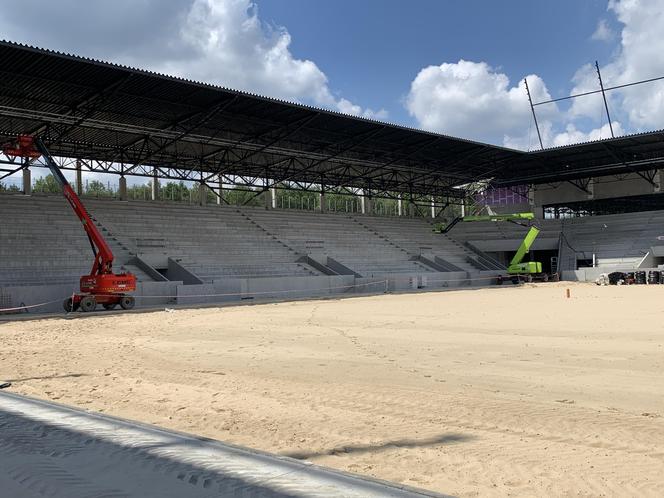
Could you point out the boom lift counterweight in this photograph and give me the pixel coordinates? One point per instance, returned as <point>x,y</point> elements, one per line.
<point>101,286</point>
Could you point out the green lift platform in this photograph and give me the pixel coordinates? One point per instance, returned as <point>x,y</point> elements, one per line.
<point>518,269</point>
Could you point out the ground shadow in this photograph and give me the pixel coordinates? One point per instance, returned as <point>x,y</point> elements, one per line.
<point>372,448</point>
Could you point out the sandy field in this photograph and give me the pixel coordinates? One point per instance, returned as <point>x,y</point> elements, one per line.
<point>494,392</point>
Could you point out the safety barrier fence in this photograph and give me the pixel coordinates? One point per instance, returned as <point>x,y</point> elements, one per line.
<point>383,282</point>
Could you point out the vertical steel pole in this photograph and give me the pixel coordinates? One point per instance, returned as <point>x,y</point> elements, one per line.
<point>532,109</point>
<point>606,105</point>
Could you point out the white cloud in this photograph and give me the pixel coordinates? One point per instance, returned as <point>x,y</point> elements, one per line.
<point>552,138</point>
<point>640,58</point>
<point>217,41</point>
<point>572,136</point>
<point>603,32</point>
<point>232,47</point>
<point>473,100</point>
<point>347,107</point>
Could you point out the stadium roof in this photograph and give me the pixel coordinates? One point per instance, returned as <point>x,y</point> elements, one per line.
<point>115,115</point>
<point>641,154</point>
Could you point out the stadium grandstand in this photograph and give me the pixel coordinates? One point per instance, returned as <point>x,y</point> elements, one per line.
<point>212,194</point>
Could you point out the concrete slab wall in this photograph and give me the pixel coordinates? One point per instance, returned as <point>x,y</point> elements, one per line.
<point>54,295</point>
<point>604,187</point>
<point>149,294</point>
<point>156,293</point>
<point>196,294</point>
<point>632,184</point>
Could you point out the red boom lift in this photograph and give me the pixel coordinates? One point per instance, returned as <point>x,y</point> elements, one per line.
<point>101,286</point>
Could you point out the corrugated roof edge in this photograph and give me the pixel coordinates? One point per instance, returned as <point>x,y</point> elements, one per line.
<point>247,94</point>
<point>598,141</point>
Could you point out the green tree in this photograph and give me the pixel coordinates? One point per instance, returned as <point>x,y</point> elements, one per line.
<point>9,188</point>
<point>139,192</point>
<point>46,185</point>
<point>96,188</point>
<point>175,191</point>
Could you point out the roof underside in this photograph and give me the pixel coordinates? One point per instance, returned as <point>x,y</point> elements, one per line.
<point>103,112</point>
<point>641,154</point>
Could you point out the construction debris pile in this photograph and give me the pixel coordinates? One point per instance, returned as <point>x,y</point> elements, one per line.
<point>653,277</point>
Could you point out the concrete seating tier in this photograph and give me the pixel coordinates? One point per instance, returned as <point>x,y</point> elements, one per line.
<point>42,242</point>
<point>416,236</point>
<point>338,236</point>
<point>616,240</point>
<point>212,242</point>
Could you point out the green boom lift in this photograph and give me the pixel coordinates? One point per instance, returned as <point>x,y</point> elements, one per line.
<point>518,270</point>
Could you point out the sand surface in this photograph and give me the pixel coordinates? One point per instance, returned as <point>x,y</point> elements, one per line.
<point>494,392</point>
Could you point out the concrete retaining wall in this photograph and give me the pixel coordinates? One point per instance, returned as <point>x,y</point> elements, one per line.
<point>156,294</point>
<point>149,294</point>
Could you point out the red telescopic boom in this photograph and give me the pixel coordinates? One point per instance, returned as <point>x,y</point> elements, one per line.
<point>102,286</point>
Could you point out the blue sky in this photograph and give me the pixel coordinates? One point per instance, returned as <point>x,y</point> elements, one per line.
<point>371,49</point>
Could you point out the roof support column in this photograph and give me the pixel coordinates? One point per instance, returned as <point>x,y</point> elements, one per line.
<point>433,207</point>
<point>202,194</point>
<point>321,200</point>
<point>365,201</point>
<point>79,178</point>
<point>532,202</point>
<point>122,190</point>
<point>411,207</point>
<point>657,181</point>
<point>270,197</point>
<point>155,185</point>
<point>27,180</point>
<point>220,190</point>
<point>399,206</point>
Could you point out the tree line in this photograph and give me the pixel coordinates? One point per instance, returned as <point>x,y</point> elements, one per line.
<point>181,192</point>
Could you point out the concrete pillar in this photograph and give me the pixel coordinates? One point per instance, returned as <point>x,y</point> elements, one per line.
<point>463,207</point>
<point>267,196</point>
<point>321,200</point>
<point>123,188</point>
<point>399,206</point>
<point>433,207</point>
<point>591,188</point>
<point>273,197</point>
<point>531,195</point>
<point>363,207</point>
<point>367,207</point>
<point>220,191</point>
<point>155,186</point>
<point>27,181</point>
<point>79,178</point>
<point>202,194</point>
<point>657,181</point>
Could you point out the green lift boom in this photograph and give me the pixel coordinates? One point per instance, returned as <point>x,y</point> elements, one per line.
<point>518,269</point>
